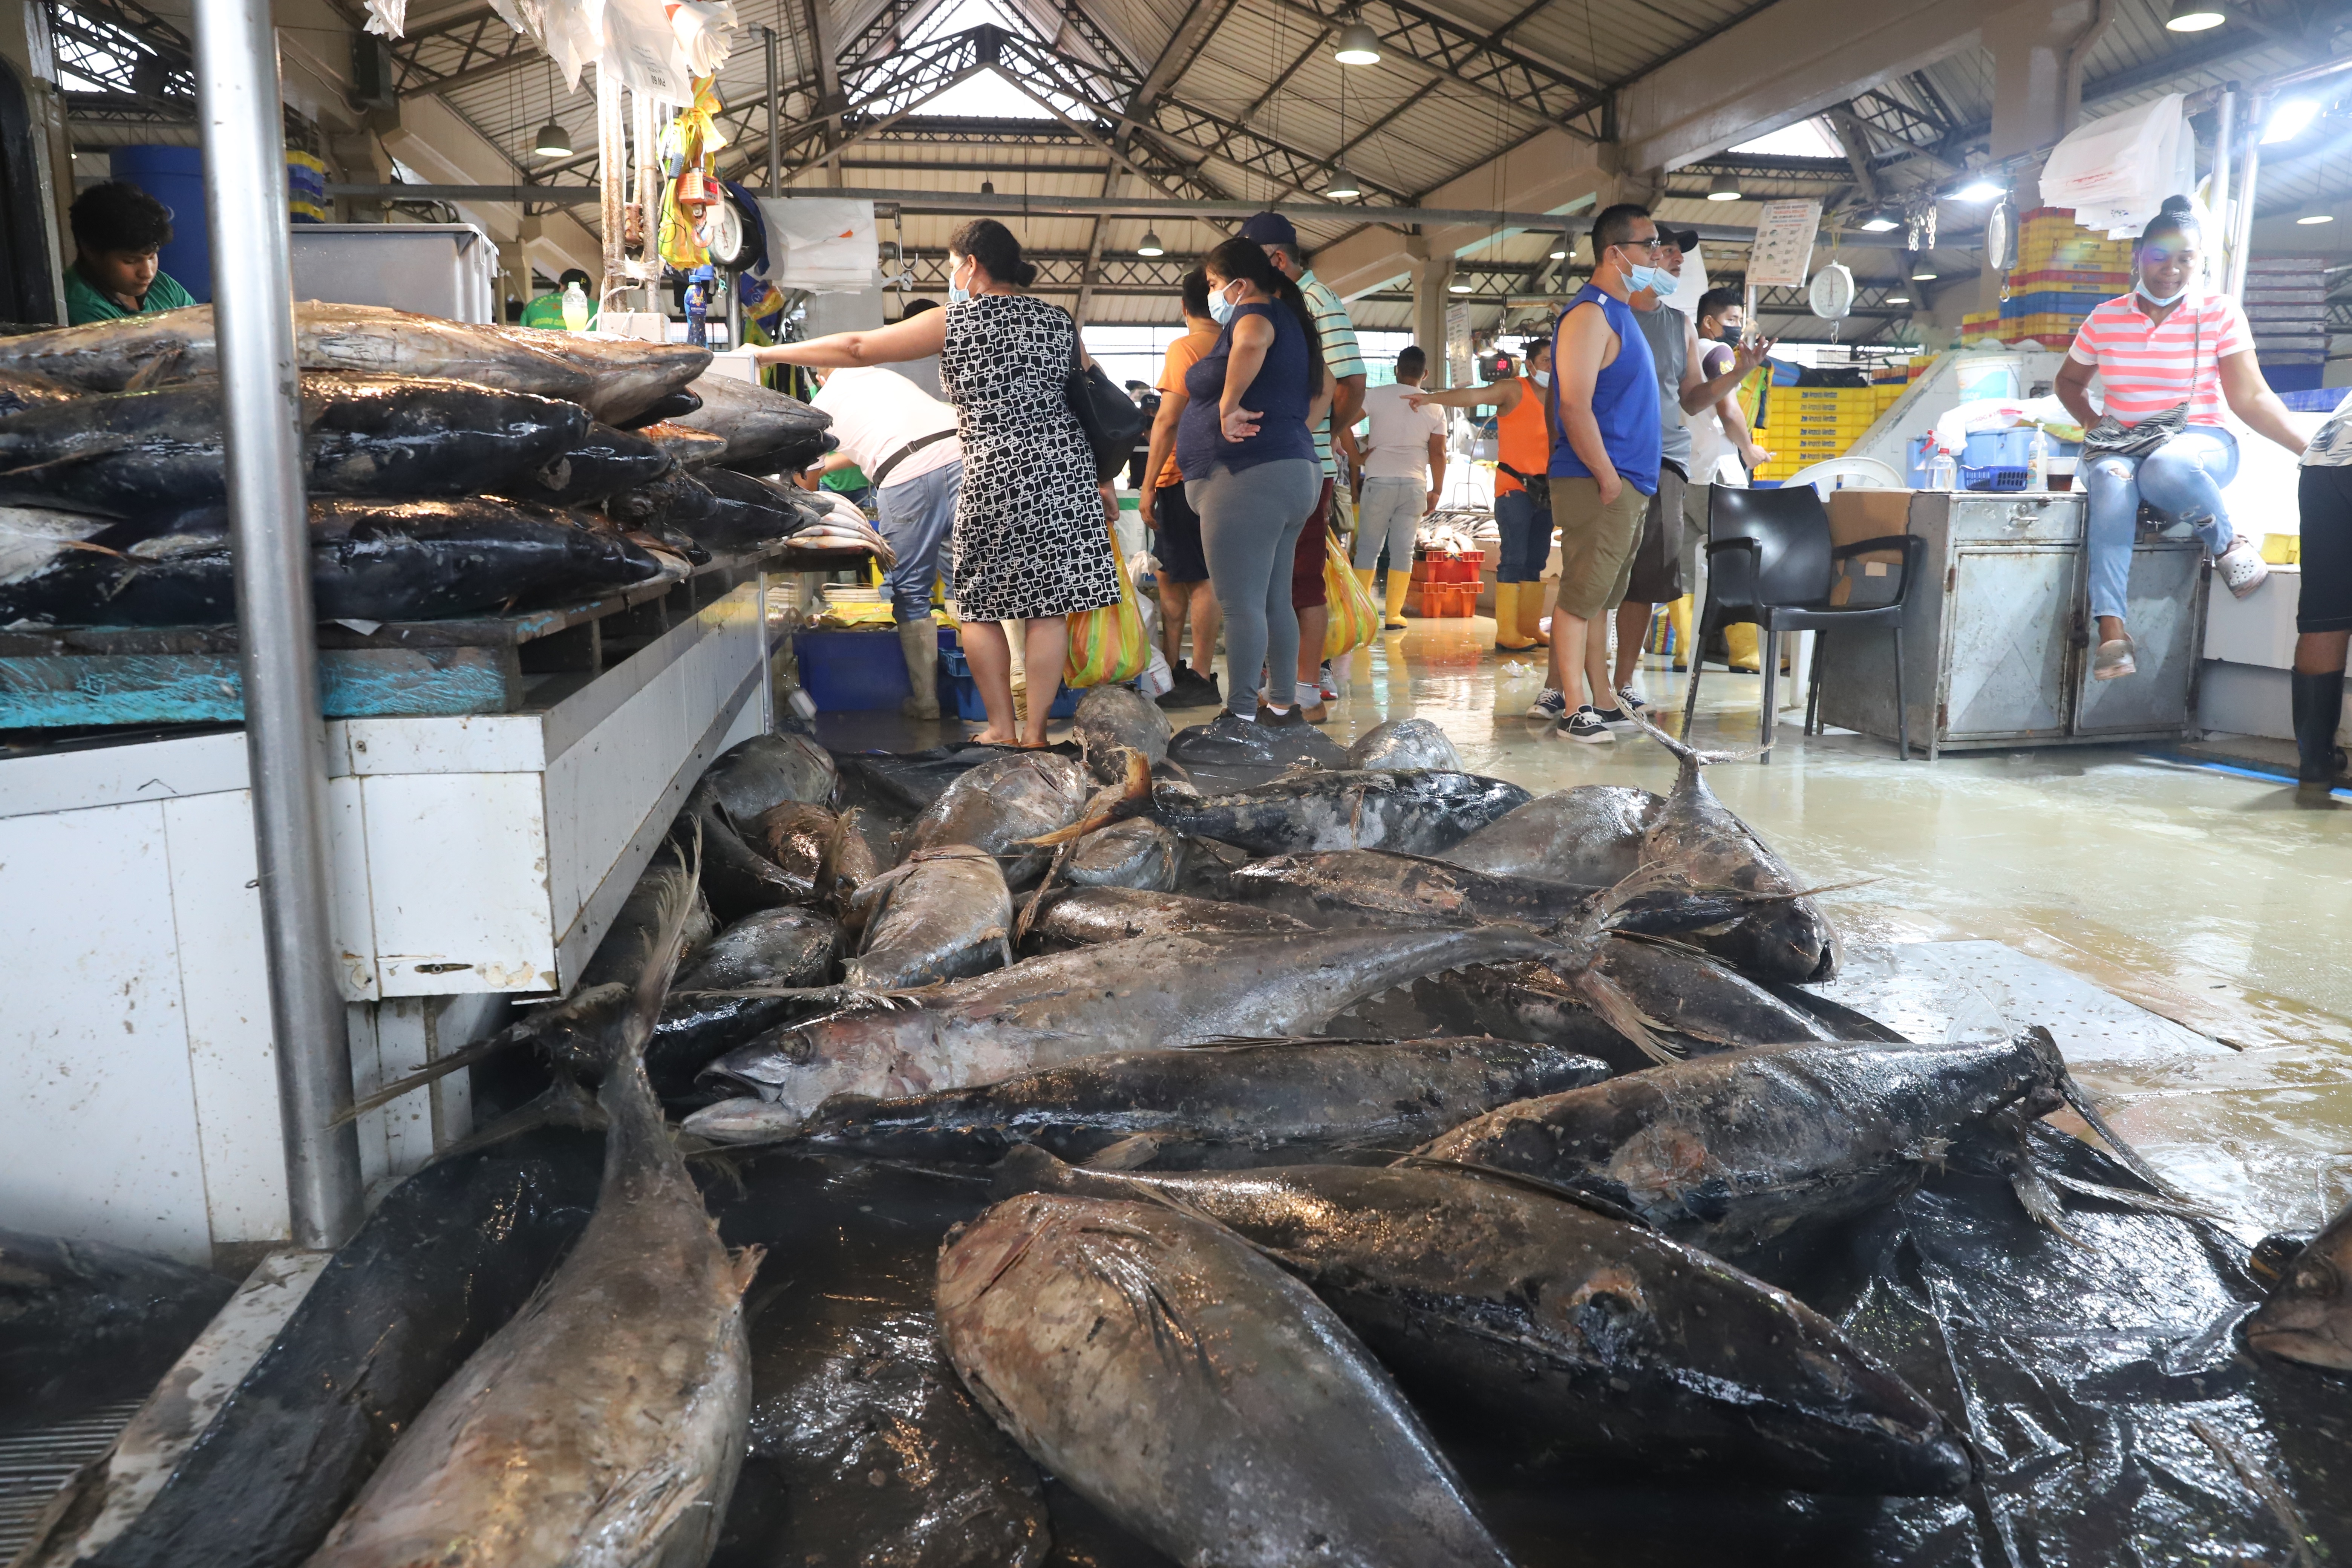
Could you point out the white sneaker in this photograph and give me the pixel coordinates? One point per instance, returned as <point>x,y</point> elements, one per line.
<point>1584,724</point>
<point>2114,660</point>
<point>2243,568</point>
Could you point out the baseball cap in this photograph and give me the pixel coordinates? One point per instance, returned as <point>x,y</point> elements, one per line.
<point>1683,239</point>
<point>1269,229</point>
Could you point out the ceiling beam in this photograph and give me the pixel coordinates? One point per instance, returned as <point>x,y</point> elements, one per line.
<point>1481,62</point>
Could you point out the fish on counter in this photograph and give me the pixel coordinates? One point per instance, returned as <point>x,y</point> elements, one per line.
<point>606,462</point>
<point>1417,813</point>
<point>1163,1368</point>
<point>942,914</point>
<point>627,377</point>
<point>130,453</point>
<point>1138,995</point>
<point>1249,1103</point>
<point>746,512</point>
<point>1592,835</point>
<point>31,537</point>
<point>20,390</point>
<point>692,449</point>
<point>2308,1316</point>
<point>1079,917</point>
<point>1112,721</point>
<point>553,1444</point>
<point>370,561</point>
<point>766,432</point>
<point>1003,806</point>
<point>1269,746</point>
<point>1404,743</point>
<point>1561,1334</point>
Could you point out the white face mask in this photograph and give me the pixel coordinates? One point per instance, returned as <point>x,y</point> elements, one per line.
<point>1540,377</point>
<point>957,292</point>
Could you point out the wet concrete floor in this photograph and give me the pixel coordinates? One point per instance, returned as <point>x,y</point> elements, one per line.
<point>2207,897</point>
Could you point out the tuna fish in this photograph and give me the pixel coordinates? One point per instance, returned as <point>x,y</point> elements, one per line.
<point>2308,1317</point>
<point>1696,842</point>
<point>756,775</point>
<point>1000,806</point>
<point>1269,746</point>
<point>1559,1333</point>
<point>172,345</point>
<point>1731,1152</point>
<point>1195,1392</point>
<point>739,879</point>
<point>1081,917</point>
<point>766,431</point>
<point>1138,995</point>
<point>19,391</point>
<point>716,1006</point>
<point>942,915</point>
<point>794,835</point>
<point>690,448</point>
<point>1417,813</point>
<point>1347,888</point>
<point>606,460</point>
<point>1592,834</point>
<point>133,453</point>
<point>1256,1102</point>
<point>606,1419</point>
<point>1113,721</point>
<point>745,512</point>
<point>81,1320</point>
<point>1139,854</point>
<point>1404,743</point>
<point>863,847</point>
<point>675,503</point>
<point>627,377</point>
<point>375,560</point>
<point>33,538</point>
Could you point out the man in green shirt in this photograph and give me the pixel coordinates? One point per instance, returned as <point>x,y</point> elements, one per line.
<point>117,229</point>
<point>547,310</point>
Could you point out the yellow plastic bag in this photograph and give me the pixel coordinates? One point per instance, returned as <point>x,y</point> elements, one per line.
<point>1355,619</point>
<point>1109,644</point>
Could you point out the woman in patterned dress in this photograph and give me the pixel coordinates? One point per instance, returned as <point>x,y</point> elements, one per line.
<point>1032,526</point>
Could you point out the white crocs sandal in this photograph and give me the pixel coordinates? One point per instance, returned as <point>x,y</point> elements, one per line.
<point>2243,568</point>
<point>2114,660</point>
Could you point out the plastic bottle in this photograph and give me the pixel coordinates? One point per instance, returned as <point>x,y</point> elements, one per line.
<point>575,308</point>
<point>2037,460</point>
<point>697,307</point>
<point>1943,474</point>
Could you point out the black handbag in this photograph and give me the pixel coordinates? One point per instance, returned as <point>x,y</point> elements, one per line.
<point>2107,439</point>
<point>1114,425</point>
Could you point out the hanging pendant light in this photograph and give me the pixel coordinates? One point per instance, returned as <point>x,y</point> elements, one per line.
<point>988,187</point>
<point>1559,243</point>
<point>1357,44</point>
<point>1723,188</point>
<point>2195,15</point>
<point>552,141</point>
<point>1151,245</point>
<point>1344,186</point>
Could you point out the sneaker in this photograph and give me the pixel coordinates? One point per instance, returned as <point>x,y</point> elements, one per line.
<point>1317,713</point>
<point>2114,660</point>
<point>1614,718</point>
<point>2241,566</point>
<point>1628,701</point>
<point>1584,724</point>
<point>1551,705</point>
<point>1288,716</point>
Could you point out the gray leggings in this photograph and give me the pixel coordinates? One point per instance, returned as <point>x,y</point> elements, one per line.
<point>1250,522</point>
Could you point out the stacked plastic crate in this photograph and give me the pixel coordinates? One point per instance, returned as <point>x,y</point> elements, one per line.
<point>2286,304</point>
<point>1806,424</point>
<point>2061,272</point>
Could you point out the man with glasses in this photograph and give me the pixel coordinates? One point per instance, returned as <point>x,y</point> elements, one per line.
<point>1606,447</point>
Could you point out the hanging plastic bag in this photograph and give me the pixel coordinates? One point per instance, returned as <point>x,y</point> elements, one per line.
<point>1354,620</point>
<point>1109,644</point>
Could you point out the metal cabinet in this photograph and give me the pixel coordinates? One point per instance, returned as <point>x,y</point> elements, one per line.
<point>1997,644</point>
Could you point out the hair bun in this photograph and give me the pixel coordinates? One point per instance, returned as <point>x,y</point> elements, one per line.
<point>2176,205</point>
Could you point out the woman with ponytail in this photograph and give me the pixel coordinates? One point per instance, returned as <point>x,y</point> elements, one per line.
<point>2171,353</point>
<point>1032,534</point>
<point>1245,449</point>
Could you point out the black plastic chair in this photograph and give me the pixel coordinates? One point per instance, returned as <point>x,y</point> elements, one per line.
<point>1770,561</point>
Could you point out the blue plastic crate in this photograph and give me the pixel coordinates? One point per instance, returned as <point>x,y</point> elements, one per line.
<point>2313,400</point>
<point>852,671</point>
<point>956,681</point>
<point>2001,478</point>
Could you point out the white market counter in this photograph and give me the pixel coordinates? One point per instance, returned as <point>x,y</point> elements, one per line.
<point>475,859</point>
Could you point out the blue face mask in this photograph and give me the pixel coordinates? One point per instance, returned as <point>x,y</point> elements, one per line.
<point>957,292</point>
<point>1221,309</point>
<point>1640,277</point>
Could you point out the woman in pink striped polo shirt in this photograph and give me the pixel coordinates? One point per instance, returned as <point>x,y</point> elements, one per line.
<point>2165,343</point>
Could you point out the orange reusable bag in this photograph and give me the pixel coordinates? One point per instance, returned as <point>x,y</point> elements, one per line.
<point>1109,644</point>
<point>1355,618</point>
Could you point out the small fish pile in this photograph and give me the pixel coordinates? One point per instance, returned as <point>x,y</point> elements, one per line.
<point>1226,1193</point>
<point>452,469</point>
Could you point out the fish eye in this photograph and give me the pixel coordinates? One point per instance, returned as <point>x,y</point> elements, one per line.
<point>2315,1276</point>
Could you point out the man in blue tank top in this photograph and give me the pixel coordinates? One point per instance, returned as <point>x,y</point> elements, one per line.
<point>1605,450</point>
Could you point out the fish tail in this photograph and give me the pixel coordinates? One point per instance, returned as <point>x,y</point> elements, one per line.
<point>1622,1013</point>
<point>674,909</point>
<point>1690,757</point>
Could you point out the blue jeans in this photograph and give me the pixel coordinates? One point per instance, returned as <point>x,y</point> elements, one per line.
<point>918,517</point>
<point>1527,538</point>
<point>2182,479</point>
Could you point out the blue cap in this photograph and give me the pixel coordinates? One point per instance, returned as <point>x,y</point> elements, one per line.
<point>1270,228</point>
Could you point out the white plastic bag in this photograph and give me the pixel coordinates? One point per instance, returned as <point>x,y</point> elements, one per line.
<point>822,243</point>
<point>1157,680</point>
<point>2111,169</point>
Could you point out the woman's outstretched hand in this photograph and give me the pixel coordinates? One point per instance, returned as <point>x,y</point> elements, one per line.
<point>1238,423</point>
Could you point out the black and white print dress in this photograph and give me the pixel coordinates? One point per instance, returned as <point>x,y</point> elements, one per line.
<point>1030,540</point>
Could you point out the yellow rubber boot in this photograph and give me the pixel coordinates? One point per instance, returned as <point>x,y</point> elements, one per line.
<point>1508,636</point>
<point>1740,642</point>
<point>1364,575</point>
<point>1531,611</point>
<point>1400,584</point>
<point>1678,616</point>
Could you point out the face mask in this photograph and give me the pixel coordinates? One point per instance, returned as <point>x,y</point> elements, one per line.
<point>2171,298</point>
<point>1640,277</point>
<point>957,292</point>
<point>1542,378</point>
<point>1221,309</point>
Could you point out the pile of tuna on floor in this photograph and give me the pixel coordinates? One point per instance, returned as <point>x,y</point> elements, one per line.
<point>451,469</point>
<point>1175,1150</point>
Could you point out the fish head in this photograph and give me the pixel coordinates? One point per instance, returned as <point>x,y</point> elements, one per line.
<point>2309,1317</point>
<point>2042,1071</point>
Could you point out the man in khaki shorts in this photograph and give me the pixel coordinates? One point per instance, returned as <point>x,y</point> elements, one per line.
<point>1605,452</point>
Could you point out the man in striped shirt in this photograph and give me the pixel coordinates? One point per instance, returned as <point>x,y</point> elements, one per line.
<point>1345,360</point>
<point>2164,344</point>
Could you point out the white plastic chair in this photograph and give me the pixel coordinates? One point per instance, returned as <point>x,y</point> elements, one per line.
<point>1859,474</point>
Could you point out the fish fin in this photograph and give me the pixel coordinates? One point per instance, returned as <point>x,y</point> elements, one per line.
<point>1622,1014</point>
<point>521,1032</point>
<point>1026,1168</point>
<point>2143,1201</point>
<point>741,1265</point>
<point>2080,1098</point>
<point>1127,1155</point>
<point>2025,1179</point>
<point>1045,883</point>
<point>674,909</point>
<point>563,1104</point>
<point>1582,1199</point>
<point>155,372</point>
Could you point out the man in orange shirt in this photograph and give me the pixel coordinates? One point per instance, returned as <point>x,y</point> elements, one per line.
<point>1185,594</point>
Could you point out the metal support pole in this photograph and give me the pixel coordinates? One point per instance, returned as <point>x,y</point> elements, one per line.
<point>278,660</point>
<point>647,150</point>
<point>775,146</point>
<point>2242,232</point>
<point>613,184</point>
<point>2225,126</point>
